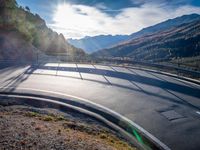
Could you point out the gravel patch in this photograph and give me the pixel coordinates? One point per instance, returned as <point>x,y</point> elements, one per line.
<point>23,127</point>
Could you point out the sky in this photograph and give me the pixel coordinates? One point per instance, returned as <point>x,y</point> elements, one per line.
<point>79,18</point>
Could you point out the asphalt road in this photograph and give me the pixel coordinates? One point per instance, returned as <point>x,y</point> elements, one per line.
<point>166,107</point>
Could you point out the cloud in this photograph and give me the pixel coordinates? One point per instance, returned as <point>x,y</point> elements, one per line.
<point>77,21</point>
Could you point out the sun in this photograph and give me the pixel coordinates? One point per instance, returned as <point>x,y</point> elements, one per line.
<point>76,19</point>
<point>68,16</point>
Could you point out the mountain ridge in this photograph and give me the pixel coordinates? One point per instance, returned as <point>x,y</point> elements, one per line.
<point>89,43</point>
<point>166,25</point>
<point>180,41</point>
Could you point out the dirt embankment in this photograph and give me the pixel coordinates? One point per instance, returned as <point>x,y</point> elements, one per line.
<point>31,128</point>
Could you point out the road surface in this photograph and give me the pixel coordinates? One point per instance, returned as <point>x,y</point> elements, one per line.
<point>167,107</point>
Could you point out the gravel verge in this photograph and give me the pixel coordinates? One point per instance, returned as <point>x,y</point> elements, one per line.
<point>24,127</point>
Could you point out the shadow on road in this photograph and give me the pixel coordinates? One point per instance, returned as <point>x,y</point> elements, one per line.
<point>164,84</point>
<point>12,82</point>
<point>133,78</point>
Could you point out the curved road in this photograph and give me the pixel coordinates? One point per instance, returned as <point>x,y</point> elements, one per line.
<point>167,107</point>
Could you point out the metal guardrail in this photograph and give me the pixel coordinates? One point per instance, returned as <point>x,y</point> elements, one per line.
<point>179,70</point>
<point>135,134</point>
<point>190,72</point>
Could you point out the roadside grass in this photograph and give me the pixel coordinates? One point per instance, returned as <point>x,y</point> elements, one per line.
<point>49,117</point>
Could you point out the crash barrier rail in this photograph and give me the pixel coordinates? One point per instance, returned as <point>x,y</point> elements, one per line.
<point>177,70</point>
<point>131,131</point>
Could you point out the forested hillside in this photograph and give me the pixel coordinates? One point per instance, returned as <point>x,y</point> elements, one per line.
<point>22,34</point>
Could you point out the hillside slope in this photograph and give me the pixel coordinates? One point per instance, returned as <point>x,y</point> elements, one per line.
<point>31,30</point>
<point>14,47</point>
<point>181,41</point>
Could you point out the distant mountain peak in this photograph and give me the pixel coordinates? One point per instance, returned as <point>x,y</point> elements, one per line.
<point>91,44</point>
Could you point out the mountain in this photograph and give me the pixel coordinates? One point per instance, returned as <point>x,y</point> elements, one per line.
<point>91,44</point>
<point>23,34</point>
<point>179,41</point>
<point>165,25</point>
